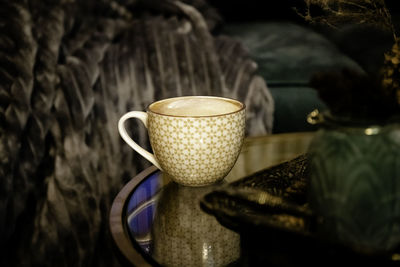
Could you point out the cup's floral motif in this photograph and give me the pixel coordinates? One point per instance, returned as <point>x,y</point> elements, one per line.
<point>197,151</point>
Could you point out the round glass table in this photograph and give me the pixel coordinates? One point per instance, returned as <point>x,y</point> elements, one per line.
<point>154,221</point>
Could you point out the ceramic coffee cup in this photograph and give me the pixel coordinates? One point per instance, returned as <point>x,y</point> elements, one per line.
<point>195,139</point>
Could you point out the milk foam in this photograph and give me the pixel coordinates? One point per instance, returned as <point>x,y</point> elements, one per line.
<point>196,106</point>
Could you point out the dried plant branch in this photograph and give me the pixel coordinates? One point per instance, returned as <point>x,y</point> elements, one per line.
<point>338,12</point>
<point>352,93</point>
<point>391,72</point>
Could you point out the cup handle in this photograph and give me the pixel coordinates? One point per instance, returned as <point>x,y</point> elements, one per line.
<point>142,116</point>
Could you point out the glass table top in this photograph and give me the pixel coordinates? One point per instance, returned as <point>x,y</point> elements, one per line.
<point>165,219</point>
<point>166,224</point>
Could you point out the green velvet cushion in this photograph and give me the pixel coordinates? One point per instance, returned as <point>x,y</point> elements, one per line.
<point>287,52</point>
<point>288,55</point>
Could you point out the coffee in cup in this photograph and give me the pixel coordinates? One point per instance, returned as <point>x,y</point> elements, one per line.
<point>195,139</point>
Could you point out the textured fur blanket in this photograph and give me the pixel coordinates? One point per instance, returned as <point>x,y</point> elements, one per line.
<point>68,70</point>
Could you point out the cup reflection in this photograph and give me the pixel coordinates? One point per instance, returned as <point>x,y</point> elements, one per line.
<point>184,235</point>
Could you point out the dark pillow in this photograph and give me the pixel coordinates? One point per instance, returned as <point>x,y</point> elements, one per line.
<point>287,52</point>
<point>288,55</point>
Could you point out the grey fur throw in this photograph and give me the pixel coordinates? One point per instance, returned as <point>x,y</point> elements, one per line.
<point>68,70</point>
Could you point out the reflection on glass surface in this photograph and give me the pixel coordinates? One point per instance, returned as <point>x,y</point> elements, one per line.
<point>165,219</point>
<point>141,210</point>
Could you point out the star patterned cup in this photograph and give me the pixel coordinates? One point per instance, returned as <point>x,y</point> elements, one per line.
<point>195,139</point>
